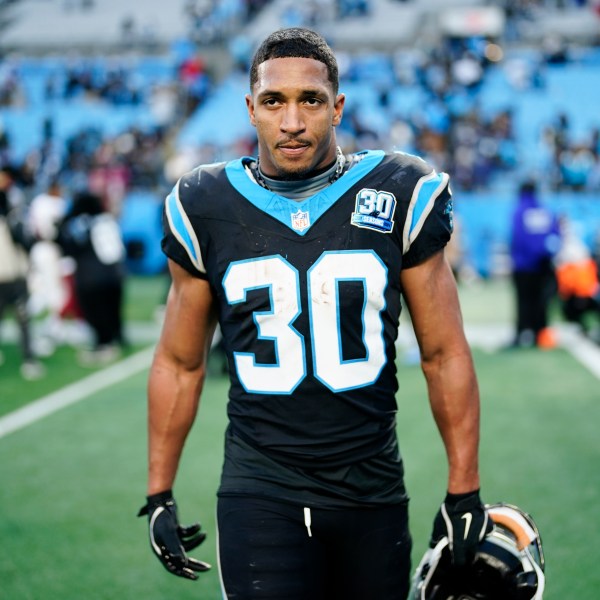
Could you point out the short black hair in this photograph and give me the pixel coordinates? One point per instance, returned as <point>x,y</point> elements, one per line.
<point>296,42</point>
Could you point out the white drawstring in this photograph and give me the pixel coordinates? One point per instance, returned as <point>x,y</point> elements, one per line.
<point>307,520</point>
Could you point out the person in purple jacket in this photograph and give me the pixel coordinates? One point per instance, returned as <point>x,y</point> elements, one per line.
<point>535,238</point>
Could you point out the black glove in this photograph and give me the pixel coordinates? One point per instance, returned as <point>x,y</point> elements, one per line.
<point>464,520</point>
<point>168,540</point>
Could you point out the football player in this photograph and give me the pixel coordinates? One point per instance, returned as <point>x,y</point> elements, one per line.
<point>301,256</point>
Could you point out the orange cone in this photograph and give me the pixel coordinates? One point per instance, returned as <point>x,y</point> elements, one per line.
<point>546,339</point>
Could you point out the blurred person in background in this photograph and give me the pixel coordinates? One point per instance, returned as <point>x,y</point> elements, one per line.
<point>91,236</point>
<point>49,291</point>
<point>14,267</point>
<point>578,281</point>
<point>535,239</point>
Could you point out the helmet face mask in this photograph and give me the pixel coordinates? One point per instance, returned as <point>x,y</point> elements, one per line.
<point>509,564</point>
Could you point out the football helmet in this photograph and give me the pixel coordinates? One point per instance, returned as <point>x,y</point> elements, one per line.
<point>509,564</point>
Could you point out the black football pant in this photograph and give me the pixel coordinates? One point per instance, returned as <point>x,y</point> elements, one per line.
<point>277,551</point>
<point>534,292</point>
<point>101,308</point>
<point>16,294</point>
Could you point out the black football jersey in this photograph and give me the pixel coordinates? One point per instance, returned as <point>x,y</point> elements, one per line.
<point>309,297</point>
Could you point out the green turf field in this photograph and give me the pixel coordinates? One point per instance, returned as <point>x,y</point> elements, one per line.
<point>71,483</point>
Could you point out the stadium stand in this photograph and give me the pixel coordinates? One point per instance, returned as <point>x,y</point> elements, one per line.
<point>491,94</point>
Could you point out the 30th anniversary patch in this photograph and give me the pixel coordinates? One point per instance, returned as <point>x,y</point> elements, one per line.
<point>374,210</point>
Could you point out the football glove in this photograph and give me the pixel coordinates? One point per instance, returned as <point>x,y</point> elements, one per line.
<point>462,518</point>
<point>169,540</point>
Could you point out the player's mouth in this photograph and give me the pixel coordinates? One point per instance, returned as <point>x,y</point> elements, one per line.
<point>293,150</point>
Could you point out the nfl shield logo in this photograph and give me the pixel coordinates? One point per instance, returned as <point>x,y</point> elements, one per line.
<point>300,220</point>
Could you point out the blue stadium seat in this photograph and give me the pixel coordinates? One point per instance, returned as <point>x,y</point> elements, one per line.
<point>222,119</point>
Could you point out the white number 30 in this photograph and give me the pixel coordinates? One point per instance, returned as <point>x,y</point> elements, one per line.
<point>281,279</point>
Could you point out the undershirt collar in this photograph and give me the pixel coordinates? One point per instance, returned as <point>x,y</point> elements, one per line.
<point>301,188</point>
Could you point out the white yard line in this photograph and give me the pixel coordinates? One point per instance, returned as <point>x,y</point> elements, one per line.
<point>75,392</point>
<point>493,337</point>
<point>582,349</point>
<point>489,337</point>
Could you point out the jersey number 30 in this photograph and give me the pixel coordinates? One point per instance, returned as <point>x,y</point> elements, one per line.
<point>282,280</point>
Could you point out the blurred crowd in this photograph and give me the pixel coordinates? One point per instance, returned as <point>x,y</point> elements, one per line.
<point>445,122</point>
<point>550,262</point>
<point>212,21</point>
<point>63,265</point>
<point>61,201</point>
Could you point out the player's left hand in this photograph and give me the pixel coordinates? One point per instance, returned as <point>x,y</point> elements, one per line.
<point>464,520</point>
<point>169,540</point>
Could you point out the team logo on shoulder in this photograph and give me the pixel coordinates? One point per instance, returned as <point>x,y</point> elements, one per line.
<point>300,220</point>
<point>374,210</point>
<point>449,212</point>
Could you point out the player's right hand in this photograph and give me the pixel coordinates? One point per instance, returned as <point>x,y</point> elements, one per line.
<point>169,540</point>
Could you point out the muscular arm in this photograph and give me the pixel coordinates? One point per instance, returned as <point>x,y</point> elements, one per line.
<point>432,299</point>
<point>177,374</point>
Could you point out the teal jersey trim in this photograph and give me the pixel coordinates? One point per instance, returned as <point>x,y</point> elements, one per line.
<point>182,228</point>
<point>302,213</point>
<point>427,191</point>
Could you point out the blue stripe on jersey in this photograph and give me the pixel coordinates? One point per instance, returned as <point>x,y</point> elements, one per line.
<point>181,228</point>
<point>429,189</point>
<point>282,208</point>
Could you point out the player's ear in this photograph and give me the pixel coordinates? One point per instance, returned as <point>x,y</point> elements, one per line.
<point>250,107</point>
<point>338,109</point>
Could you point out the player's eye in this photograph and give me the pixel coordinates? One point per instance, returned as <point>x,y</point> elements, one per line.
<point>313,101</point>
<point>271,102</point>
